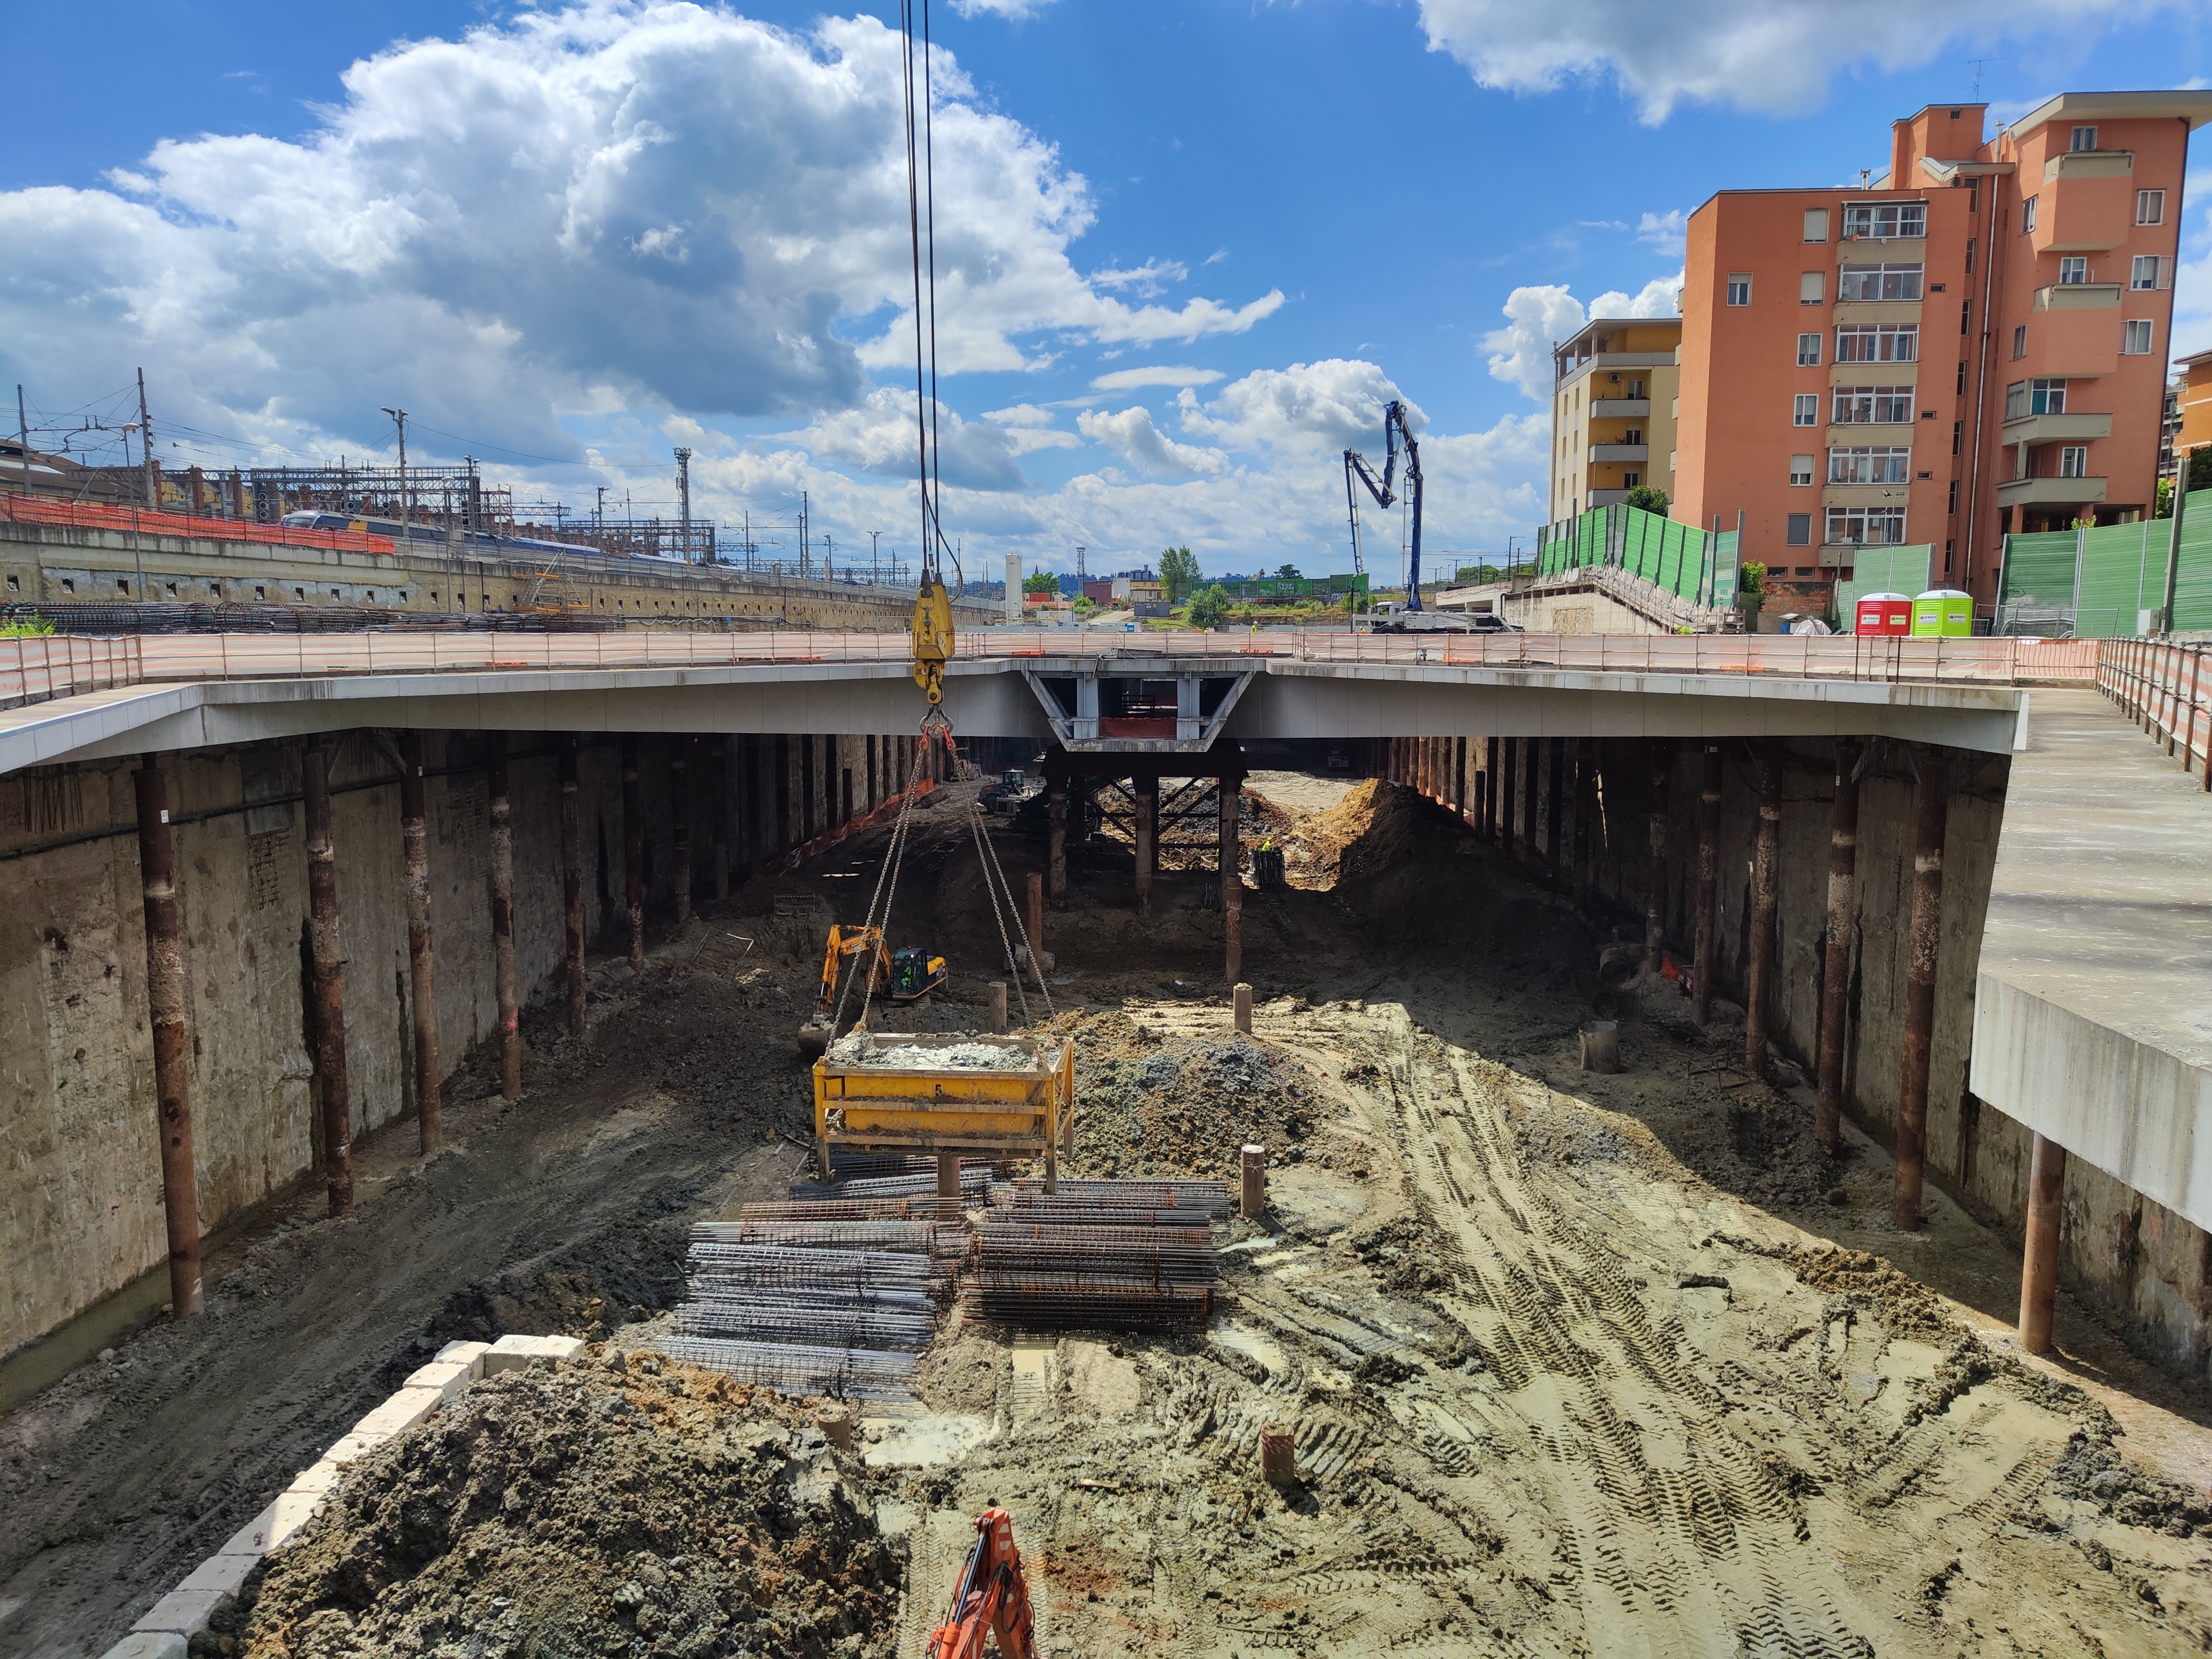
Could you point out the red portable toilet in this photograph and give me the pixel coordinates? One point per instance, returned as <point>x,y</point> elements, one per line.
<point>1882,614</point>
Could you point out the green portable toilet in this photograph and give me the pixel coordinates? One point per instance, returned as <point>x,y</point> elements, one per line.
<point>1944,612</point>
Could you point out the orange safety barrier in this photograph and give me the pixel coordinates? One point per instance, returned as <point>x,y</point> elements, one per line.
<point>91,515</point>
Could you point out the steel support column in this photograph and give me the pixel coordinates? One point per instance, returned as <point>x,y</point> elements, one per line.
<point>634,852</point>
<point>165,999</point>
<point>1931,818</point>
<point>329,980</point>
<point>572,886</point>
<point>1766,895</point>
<point>2038,1273</point>
<point>1838,942</point>
<point>415,845</point>
<point>1709,869</point>
<point>502,923</point>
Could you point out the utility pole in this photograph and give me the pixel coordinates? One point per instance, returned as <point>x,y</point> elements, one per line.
<point>406,496</point>
<point>749,536</point>
<point>683,498</point>
<point>146,445</point>
<point>599,522</point>
<point>875,565</point>
<point>23,436</point>
<point>805,549</point>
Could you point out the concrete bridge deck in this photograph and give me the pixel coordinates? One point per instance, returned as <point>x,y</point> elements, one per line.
<point>2093,1008</point>
<point>79,699</point>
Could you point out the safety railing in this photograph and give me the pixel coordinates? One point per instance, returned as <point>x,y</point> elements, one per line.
<point>58,666</point>
<point>2169,690</point>
<point>94,516</point>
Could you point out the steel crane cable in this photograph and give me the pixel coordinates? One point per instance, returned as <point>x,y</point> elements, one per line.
<point>990,851</point>
<point>998,916</point>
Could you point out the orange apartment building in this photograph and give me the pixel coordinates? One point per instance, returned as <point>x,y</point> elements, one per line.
<point>2193,402</point>
<point>1975,343</point>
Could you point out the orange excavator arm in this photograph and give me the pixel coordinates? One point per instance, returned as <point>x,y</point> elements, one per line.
<point>993,1597</point>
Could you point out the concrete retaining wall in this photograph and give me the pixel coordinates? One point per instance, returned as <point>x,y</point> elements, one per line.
<point>80,1175</point>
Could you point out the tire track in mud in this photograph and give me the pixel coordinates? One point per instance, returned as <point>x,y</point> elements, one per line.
<point>1672,1552</point>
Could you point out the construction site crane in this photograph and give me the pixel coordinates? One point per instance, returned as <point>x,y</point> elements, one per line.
<point>993,1596</point>
<point>1356,465</point>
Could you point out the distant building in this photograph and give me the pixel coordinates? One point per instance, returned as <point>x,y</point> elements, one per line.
<point>1613,394</point>
<point>1972,344</point>
<point>2191,427</point>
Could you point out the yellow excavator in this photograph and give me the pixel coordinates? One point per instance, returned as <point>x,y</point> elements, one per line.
<point>905,976</point>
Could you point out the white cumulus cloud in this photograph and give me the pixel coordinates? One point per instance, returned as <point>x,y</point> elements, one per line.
<point>1776,56</point>
<point>1660,297</point>
<point>1131,436</point>
<point>1308,406</point>
<point>1668,231</point>
<point>1016,9</point>
<point>1536,318</point>
<point>611,205</point>
<point>1127,379</point>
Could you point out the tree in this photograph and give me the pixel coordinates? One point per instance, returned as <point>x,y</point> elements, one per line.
<point>1750,578</point>
<point>1179,572</point>
<point>1209,606</point>
<point>1649,497</point>
<point>2200,479</point>
<point>1289,573</point>
<point>1043,582</point>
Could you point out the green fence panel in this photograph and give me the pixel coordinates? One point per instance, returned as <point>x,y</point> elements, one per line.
<point>1907,570</point>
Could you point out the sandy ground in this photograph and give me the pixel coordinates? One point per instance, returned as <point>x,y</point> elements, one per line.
<point>1573,1366</point>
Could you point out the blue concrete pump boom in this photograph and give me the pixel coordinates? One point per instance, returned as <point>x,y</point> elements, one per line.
<point>1355,463</point>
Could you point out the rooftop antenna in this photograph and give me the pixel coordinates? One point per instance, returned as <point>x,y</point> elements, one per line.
<point>1978,62</point>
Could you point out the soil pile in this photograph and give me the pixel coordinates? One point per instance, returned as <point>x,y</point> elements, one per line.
<point>1149,1104</point>
<point>655,1509</point>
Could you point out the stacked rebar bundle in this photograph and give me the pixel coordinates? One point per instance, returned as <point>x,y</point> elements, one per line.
<point>975,1178</point>
<point>814,1304</point>
<point>802,1369</point>
<point>846,1165</point>
<point>931,1209</point>
<point>1099,1255</point>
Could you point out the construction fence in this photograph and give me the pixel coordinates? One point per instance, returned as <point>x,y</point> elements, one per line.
<point>2108,582</point>
<point>1694,564</point>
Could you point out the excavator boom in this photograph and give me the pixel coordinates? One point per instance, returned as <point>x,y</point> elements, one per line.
<point>993,1598</point>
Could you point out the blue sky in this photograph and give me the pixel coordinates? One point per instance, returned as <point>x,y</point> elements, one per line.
<point>1191,248</point>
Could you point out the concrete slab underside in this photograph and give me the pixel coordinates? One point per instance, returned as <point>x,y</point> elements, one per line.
<point>2093,1008</point>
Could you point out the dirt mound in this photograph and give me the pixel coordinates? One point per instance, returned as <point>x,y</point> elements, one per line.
<point>1313,847</point>
<point>1148,1104</point>
<point>656,1510</point>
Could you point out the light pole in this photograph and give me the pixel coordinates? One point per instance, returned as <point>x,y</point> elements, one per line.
<point>684,495</point>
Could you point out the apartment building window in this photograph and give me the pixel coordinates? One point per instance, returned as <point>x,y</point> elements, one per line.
<point>1812,288</point>
<point>1962,381</point>
<point>1953,508</point>
<point>2028,218</point>
<point>2019,340</point>
<point>2150,207</point>
<point>2084,139</point>
<point>1882,221</point>
<point>1739,289</point>
<point>1801,468</point>
<point>1876,464</point>
<point>2072,268</point>
<point>1867,526</point>
<point>1807,409</point>
<point>2134,337</point>
<point>1865,406</point>
<point>1891,282</point>
<point>1808,351</point>
<point>1816,224</point>
<point>1629,480</point>
<point>1958,436</point>
<point>2074,461</point>
<point>2043,396</point>
<point>2148,271</point>
<point>1801,530</point>
<point>1670,460</point>
<point>1970,249</point>
<point>1882,343</point>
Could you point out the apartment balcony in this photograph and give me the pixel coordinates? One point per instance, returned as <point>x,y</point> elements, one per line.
<point>1607,408</point>
<point>2087,202</point>
<point>2050,492</point>
<point>1620,452</point>
<point>1606,498</point>
<point>2078,296</point>
<point>2058,428</point>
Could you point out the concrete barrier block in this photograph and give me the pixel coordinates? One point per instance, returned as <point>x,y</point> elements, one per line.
<point>291,1512</point>
<point>316,1478</point>
<point>252,1539</point>
<point>401,1413</point>
<point>515,1353</point>
<point>222,1573</point>
<point>447,1376</point>
<point>466,1354</point>
<point>352,1447</point>
<point>149,1644</point>
<point>180,1613</point>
